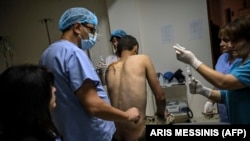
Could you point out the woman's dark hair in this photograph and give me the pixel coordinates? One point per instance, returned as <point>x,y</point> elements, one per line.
<point>25,94</point>
<point>127,42</point>
<point>237,29</point>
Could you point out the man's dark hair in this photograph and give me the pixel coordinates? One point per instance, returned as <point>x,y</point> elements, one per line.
<point>127,42</point>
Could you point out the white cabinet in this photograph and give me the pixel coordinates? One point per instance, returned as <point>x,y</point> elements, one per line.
<point>175,96</point>
<point>175,92</point>
<point>177,102</point>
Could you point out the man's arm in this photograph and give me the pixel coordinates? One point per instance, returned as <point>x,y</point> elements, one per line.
<point>155,87</point>
<point>95,106</point>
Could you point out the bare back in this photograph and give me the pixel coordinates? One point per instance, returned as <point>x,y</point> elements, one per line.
<point>126,83</point>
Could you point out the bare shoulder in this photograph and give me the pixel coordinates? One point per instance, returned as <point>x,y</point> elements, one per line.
<point>114,67</point>
<point>140,57</point>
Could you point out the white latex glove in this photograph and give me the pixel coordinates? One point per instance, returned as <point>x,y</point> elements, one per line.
<point>102,66</point>
<point>186,56</point>
<point>195,87</point>
<point>208,107</point>
<point>101,69</point>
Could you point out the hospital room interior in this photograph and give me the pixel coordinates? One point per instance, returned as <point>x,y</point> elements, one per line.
<point>28,27</point>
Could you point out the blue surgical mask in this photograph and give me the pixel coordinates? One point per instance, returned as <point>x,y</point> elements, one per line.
<point>87,44</point>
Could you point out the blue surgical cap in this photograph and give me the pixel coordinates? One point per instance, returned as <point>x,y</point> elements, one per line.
<point>117,33</point>
<point>74,15</point>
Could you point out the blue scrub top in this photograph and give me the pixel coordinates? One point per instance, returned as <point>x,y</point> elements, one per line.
<point>223,65</point>
<point>71,67</point>
<point>238,101</point>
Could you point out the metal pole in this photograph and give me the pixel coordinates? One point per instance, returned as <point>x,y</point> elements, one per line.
<point>47,29</point>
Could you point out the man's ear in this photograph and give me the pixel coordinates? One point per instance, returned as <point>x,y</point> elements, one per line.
<point>136,48</point>
<point>77,28</point>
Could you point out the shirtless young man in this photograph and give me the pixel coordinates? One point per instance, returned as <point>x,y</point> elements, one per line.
<point>126,84</point>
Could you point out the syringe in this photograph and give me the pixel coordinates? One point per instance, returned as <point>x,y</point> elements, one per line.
<point>102,60</point>
<point>189,73</point>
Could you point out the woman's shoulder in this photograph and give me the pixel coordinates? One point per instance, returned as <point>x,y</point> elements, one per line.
<point>30,139</point>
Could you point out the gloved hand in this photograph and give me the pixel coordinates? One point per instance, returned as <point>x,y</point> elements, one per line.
<point>195,87</point>
<point>101,67</point>
<point>208,107</point>
<point>186,56</point>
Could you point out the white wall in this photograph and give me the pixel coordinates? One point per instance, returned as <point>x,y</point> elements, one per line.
<point>158,25</point>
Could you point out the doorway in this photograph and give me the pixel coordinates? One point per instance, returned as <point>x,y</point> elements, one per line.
<point>221,12</point>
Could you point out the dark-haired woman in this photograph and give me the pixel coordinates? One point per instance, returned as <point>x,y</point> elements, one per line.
<point>26,98</point>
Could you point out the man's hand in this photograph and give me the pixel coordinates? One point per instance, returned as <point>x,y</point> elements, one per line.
<point>186,56</point>
<point>195,87</point>
<point>133,114</point>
